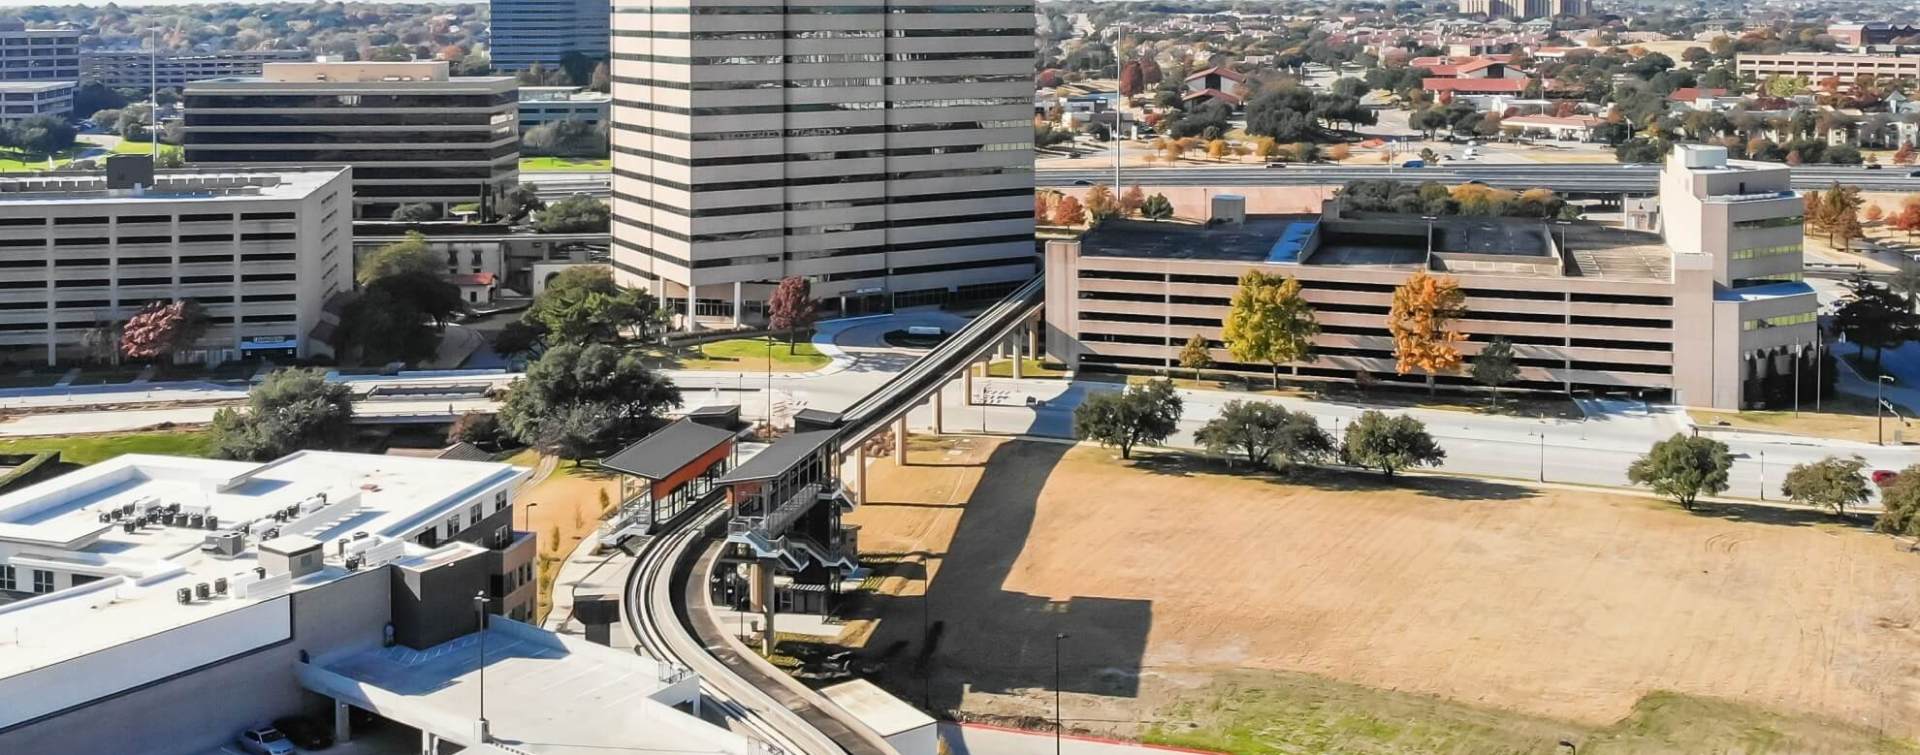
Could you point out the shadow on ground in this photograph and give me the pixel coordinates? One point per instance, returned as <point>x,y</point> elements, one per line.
<point>969,634</point>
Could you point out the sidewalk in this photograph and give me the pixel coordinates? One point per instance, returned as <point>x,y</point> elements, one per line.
<point>986,739</point>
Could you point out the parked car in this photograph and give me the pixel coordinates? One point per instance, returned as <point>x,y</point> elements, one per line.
<point>1884,477</point>
<point>265,740</point>
<point>305,732</point>
<point>1414,164</point>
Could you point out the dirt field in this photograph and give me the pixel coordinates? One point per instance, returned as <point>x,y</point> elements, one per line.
<point>1455,616</point>
<point>568,510</point>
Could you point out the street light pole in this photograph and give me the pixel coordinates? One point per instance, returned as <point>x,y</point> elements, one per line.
<point>1056,691</point>
<point>480,613</point>
<point>1543,456</point>
<point>1879,417</point>
<point>1763,475</point>
<point>526,518</point>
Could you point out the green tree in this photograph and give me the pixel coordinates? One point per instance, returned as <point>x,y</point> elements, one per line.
<point>1265,434</point>
<point>1195,355</point>
<point>1683,468</point>
<point>1494,367</point>
<point>583,304</point>
<point>41,134</point>
<point>415,213</point>
<point>1830,484</point>
<point>1376,440</point>
<point>1270,321</point>
<point>577,401</point>
<point>518,202</point>
<point>1157,207</point>
<point>1900,505</point>
<point>1142,414</point>
<point>481,429</point>
<point>575,214</point>
<point>292,409</point>
<point>411,254</point>
<point>1873,316</point>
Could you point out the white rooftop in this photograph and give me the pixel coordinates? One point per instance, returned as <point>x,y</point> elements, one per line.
<point>56,524</point>
<point>193,184</point>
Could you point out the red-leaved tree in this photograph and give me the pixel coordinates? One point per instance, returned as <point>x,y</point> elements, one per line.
<point>161,328</point>
<point>1130,78</point>
<point>791,307</point>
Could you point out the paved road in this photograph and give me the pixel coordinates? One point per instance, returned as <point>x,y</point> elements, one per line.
<point>1565,178</point>
<point>1594,452</point>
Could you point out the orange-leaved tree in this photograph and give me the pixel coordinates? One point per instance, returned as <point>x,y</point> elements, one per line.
<point>1422,323</point>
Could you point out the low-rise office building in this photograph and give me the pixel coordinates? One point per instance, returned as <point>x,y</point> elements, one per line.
<point>38,54</point>
<point>540,105</point>
<point>141,69</point>
<point>157,604</point>
<point>260,250</point>
<point>493,249</point>
<point>26,99</point>
<point>1816,66</point>
<point>1703,311</point>
<point>413,134</point>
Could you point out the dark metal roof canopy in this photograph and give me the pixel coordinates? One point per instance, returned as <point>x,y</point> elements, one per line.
<point>776,459</point>
<point>667,450</point>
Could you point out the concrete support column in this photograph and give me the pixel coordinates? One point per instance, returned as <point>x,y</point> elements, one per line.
<point>765,567</point>
<point>1018,368</point>
<point>900,441</point>
<point>739,303</point>
<point>691,298</point>
<point>429,744</point>
<point>1033,338</point>
<point>966,384</point>
<point>342,722</point>
<point>860,475</point>
<point>934,402</point>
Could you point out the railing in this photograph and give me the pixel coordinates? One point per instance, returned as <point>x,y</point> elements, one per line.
<point>789,510</point>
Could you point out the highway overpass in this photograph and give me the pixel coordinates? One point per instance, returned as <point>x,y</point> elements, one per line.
<point>1567,178</point>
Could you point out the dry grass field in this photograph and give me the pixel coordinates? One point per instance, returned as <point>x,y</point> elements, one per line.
<point>1334,614</point>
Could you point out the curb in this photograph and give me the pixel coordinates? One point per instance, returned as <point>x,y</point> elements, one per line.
<point>1083,738</point>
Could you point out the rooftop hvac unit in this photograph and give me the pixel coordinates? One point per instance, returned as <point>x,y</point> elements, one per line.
<point>219,585</point>
<point>203,591</point>
<point>197,521</point>
<point>360,535</point>
<point>106,518</point>
<point>173,508</point>
<point>213,522</point>
<point>260,572</point>
<point>130,527</point>
<point>353,563</point>
<point>184,595</point>
<point>228,544</point>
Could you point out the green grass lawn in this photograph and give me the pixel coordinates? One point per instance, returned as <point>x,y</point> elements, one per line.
<point>1029,368</point>
<point>1267,713</point>
<point>20,162</point>
<point>124,147</point>
<point>585,165</point>
<point>87,449</point>
<point>752,355</point>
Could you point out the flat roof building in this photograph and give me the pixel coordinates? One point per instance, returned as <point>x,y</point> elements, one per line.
<point>28,54</point>
<point>540,105</point>
<point>25,99</point>
<point>413,134</point>
<point>1705,310</point>
<point>1815,66</point>
<point>885,153</point>
<point>260,249</point>
<point>162,604</point>
<point>141,69</point>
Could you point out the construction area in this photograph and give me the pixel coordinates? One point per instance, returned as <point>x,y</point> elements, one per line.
<point>1251,614</point>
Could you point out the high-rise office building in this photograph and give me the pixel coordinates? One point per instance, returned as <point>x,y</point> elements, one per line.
<point>526,32</point>
<point>413,134</point>
<point>883,151</point>
<point>38,54</point>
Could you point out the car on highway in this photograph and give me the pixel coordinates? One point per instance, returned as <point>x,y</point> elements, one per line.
<point>1913,174</point>
<point>1414,164</point>
<point>265,740</point>
<point>1884,477</point>
<point>304,732</point>
<point>1873,166</point>
<point>1275,166</point>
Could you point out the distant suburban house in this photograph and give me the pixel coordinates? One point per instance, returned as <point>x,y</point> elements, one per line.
<point>1216,84</point>
<point>476,288</point>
